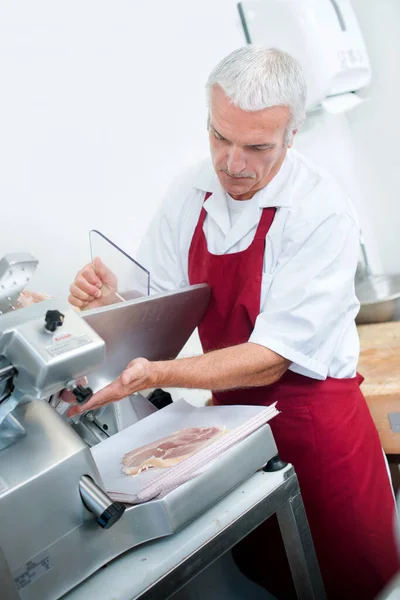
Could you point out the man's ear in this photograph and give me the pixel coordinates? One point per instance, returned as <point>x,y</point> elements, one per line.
<point>290,144</point>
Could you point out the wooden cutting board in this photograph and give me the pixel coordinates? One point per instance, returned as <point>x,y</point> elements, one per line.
<point>380,365</point>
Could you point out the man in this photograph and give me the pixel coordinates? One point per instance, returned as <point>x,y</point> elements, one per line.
<point>277,241</point>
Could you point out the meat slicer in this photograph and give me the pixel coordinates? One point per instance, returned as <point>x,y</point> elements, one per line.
<point>58,525</point>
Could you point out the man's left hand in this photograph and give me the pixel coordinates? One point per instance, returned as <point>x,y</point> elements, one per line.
<point>139,375</point>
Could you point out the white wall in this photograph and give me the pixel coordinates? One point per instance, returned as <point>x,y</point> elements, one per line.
<point>102,104</point>
<point>375,127</point>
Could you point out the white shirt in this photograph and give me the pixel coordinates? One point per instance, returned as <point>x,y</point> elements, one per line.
<point>237,208</point>
<point>308,303</point>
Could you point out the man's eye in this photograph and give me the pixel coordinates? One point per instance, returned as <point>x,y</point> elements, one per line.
<point>217,136</point>
<point>261,148</point>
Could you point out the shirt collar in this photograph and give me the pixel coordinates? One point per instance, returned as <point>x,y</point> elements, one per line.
<point>278,193</point>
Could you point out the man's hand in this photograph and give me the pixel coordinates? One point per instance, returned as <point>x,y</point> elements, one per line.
<point>242,366</point>
<point>139,375</point>
<point>95,285</point>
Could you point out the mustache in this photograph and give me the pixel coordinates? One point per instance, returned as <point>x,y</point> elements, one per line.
<point>241,175</point>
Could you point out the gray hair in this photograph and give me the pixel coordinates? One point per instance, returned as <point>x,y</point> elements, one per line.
<point>254,78</point>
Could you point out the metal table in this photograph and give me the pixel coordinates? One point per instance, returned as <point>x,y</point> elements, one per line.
<point>156,570</point>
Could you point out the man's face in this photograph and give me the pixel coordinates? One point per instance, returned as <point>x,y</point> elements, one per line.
<point>247,148</point>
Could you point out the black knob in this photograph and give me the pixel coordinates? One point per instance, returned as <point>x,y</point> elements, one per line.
<point>111,515</point>
<point>275,464</point>
<point>53,320</point>
<point>82,394</point>
<point>160,398</point>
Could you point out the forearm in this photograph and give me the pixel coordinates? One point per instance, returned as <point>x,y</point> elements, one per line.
<point>246,365</point>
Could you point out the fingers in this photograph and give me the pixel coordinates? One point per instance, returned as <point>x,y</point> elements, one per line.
<point>88,283</point>
<point>111,393</point>
<point>136,377</point>
<point>92,275</point>
<point>135,373</point>
<point>78,297</point>
<point>76,303</point>
<point>104,273</point>
<point>85,288</point>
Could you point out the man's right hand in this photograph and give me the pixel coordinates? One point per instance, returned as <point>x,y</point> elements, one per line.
<point>95,285</point>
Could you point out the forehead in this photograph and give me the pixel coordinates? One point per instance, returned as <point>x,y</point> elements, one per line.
<point>255,127</point>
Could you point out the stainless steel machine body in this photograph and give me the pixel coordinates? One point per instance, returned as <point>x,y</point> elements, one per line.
<point>70,559</point>
<point>155,328</point>
<point>44,360</point>
<point>42,460</point>
<point>16,270</point>
<point>40,500</point>
<point>58,524</point>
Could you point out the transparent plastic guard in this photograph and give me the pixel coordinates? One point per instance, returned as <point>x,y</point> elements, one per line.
<point>127,277</point>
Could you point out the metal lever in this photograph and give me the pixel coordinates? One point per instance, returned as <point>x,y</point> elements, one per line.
<point>106,511</point>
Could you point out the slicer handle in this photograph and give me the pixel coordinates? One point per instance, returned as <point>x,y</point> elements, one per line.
<point>96,500</point>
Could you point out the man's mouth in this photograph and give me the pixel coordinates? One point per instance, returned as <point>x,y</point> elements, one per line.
<point>239,176</point>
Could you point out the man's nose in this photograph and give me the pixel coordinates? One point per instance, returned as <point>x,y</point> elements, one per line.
<point>236,161</point>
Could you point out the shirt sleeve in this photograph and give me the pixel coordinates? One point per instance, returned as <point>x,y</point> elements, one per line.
<point>158,251</point>
<point>310,298</point>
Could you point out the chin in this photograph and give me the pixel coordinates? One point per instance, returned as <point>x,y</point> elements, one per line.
<point>238,190</point>
<point>234,187</point>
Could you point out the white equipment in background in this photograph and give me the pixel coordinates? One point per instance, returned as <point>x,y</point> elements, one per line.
<point>324,36</point>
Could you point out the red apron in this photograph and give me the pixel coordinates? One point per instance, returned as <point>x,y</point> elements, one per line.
<point>325,430</point>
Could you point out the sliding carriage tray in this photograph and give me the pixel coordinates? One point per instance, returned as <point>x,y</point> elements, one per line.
<point>49,541</point>
<point>72,558</point>
<point>164,516</point>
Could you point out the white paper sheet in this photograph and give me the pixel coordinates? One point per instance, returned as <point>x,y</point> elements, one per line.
<point>108,455</point>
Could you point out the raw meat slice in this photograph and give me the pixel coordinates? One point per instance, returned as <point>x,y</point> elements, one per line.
<point>170,450</point>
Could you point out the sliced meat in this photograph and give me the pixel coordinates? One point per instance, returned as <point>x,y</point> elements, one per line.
<point>170,450</point>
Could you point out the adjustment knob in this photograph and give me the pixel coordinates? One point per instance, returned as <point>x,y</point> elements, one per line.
<point>82,394</point>
<point>53,320</point>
